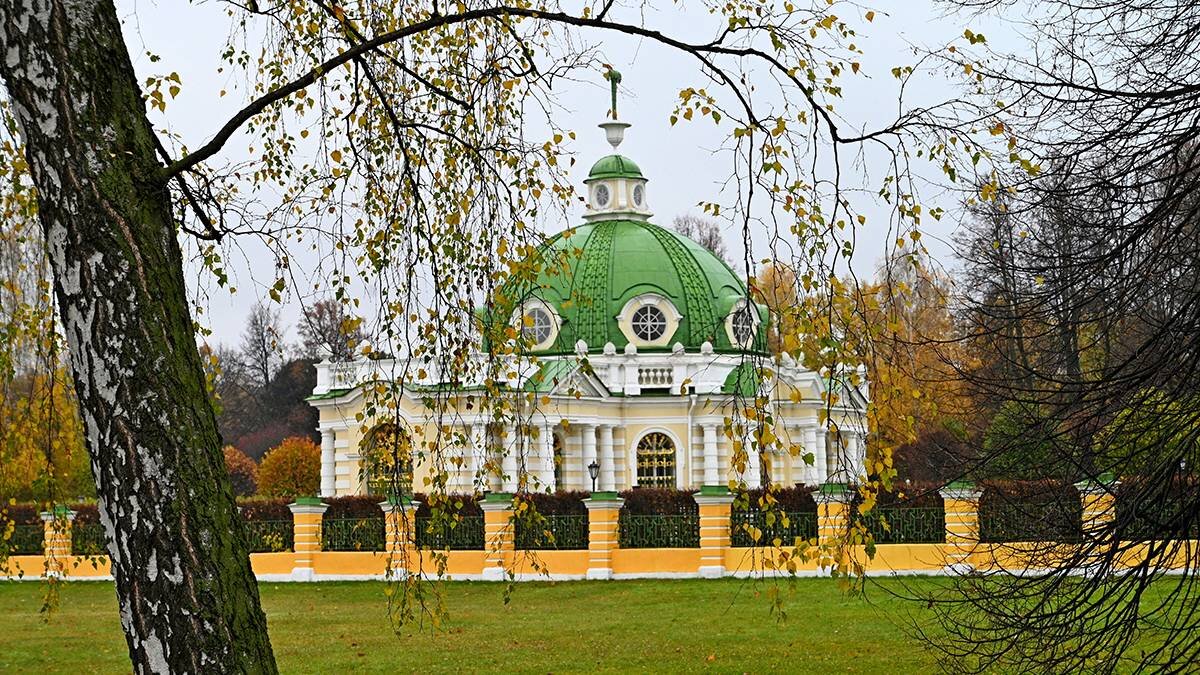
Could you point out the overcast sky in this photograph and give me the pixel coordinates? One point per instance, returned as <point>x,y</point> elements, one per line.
<point>680,160</point>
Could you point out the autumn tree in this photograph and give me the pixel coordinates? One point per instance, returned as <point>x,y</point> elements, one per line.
<point>327,330</point>
<point>243,472</point>
<point>703,231</point>
<point>1083,287</point>
<point>291,469</point>
<point>262,346</point>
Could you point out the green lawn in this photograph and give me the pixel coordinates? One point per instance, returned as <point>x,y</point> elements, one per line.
<point>672,626</point>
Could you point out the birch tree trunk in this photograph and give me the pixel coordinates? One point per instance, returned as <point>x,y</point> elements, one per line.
<point>188,598</point>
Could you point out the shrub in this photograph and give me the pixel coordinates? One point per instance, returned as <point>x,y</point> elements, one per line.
<point>789,499</point>
<point>463,504</point>
<point>357,506</point>
<point>291,469</point>
<point>261,508</point>
<point>243,472</point>
<point>562,503</point>
<point>658,502</point>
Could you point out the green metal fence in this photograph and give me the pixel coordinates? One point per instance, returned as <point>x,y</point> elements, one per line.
<point>269,536</point>
<point>659,531</point>
<point>1169,519</point>
<point>909,525</point>
<point>24,540</point>
<point>1013,522</point>
<point>353,534</point>
<point>88,539</point>
<point>562,533</point>
<point>801,524</point>
<point>447,534</point>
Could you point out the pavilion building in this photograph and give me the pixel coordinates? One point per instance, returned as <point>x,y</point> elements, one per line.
<point>642,342</point>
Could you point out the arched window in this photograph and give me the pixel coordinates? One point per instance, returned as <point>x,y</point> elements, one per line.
<point>656,461</point>
<point>387,460</point>
<point>559,463</point>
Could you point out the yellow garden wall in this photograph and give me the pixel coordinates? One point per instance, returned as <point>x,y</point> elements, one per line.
<point>626,563</point>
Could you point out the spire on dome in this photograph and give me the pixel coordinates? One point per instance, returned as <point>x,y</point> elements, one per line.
<point>614,77</point>
<point>614,131</point>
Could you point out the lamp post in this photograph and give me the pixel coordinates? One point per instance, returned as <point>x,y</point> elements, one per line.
<point>594,471</point>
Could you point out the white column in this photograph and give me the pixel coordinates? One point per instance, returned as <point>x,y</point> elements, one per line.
<point>328,465</point>
<point>815,473</point>
<point>712,472</point>
<point>821,459</point>
<point>588,433</point>
<point>477,453</point>
<point>753,475</point>
<point>855,458</point>
<point>608,474</point>
<point>546,456</point>
<point>508,461</point>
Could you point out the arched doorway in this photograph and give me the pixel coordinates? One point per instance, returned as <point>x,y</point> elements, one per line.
<point>656,461</point>
<point>387,460</point>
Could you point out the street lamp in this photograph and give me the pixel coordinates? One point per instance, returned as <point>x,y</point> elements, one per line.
<point>593,471</point>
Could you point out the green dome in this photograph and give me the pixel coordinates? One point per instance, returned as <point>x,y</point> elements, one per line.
<point>614,166</point>
<point>589,273</point>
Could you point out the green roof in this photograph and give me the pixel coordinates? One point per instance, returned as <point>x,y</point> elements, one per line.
<point>588,273</point>
<point>614,166</point>
<point>743,380</point>
<point>332,393</point>
<point>549,374</point>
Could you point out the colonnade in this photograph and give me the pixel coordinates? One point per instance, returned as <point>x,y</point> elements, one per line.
<point>497,457</point>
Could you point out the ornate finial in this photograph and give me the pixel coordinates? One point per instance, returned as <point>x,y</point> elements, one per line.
<point>614,77</point>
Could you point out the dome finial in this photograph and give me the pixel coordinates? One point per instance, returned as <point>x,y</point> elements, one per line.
<point>614,131</point>
<point>614,77</point>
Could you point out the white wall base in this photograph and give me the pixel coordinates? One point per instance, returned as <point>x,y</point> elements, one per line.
<point>600,573</point>
<point>711,571</point>
<point>494,574</point>
<point>303,574</point>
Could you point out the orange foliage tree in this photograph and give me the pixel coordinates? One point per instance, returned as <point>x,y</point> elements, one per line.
<point>900,326</point>
<point>243,472</point>
<point>290,469</point>
<point>42,456</point>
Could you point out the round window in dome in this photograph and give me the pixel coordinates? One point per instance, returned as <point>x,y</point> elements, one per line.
<point>602,196</point>
<point>649,323</point>
<point>743,325</point>
<point>639,194</point>
<point>538,326</point>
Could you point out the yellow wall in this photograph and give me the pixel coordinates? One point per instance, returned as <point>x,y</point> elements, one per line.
<point>889,558</point>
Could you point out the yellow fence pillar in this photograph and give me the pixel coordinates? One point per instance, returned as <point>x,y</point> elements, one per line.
<point>400,535</point>
<point>497,534</point>
<point>604,512</point>
<point>833,514</point>
<point>307,513</point>
<point>715,503</point>
<point>1099,501</point>
<point>961,500</point>
<point>56,538</point>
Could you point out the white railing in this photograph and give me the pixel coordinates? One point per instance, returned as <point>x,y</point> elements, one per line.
<point>655,378</point>
<point>703,373</point>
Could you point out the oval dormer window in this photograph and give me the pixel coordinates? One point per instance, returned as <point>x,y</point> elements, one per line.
<point>743,325</point>
<point>639,195</point>
<point>649,323</point>
<point>538,326</point>
<point>602,196</point>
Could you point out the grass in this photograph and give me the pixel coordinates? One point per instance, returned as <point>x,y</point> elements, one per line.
<point>638,626</point>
